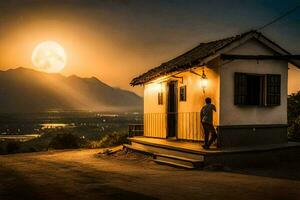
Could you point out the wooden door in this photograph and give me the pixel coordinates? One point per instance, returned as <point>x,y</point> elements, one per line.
<point>172,109</point>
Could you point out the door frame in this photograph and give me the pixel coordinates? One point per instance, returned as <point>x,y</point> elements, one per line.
<point>175,113</point>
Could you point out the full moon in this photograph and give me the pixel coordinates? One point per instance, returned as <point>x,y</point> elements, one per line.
<point>49,56</point>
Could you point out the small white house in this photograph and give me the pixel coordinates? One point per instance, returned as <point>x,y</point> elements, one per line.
<point>246,77</point>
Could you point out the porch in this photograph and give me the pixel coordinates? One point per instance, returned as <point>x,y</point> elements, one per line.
<point>190,155</point>
<point>174,144</point>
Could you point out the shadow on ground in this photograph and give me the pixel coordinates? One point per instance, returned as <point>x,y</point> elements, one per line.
<point>79,174</point>
<point>283,170</point>
<point>60,180</point>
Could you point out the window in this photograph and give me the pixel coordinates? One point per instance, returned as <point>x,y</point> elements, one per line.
<point>256,89</point>
<point>183,93</point>
<point>240,89</point>
<point>273,89</point>
<point>160,98</point>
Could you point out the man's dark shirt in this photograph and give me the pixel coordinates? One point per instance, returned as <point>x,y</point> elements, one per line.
<point>207,113</point>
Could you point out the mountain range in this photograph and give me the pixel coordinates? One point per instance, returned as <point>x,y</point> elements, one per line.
<point>24,90</point>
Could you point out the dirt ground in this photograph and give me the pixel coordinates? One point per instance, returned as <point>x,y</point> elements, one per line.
<point>81,174</point>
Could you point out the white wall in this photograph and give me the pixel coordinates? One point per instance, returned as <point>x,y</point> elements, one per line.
<point>189,123</point>
<point>231,114</point>
<point>195,95</point>
<point>188,118</point>
<point>155,115</point>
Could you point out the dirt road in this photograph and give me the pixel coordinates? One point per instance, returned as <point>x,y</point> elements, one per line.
<point>79,174</point>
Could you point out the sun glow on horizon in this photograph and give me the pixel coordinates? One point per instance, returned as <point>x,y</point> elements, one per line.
<point>49,56</point>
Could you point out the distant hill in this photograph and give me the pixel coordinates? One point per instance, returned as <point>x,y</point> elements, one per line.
<point>27,90</point>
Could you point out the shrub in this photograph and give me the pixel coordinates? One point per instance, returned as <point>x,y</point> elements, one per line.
<point>294,116</point>
<point>2,150</point>
<point>293,106</point>
<point>109,140</point>
<point>294,129</point>
<point>12,147</point>
<point>65,141</point>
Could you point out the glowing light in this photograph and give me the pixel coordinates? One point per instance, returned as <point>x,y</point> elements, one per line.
<point>49,57</point>
<point>204,83</point>
<point>156,87</point>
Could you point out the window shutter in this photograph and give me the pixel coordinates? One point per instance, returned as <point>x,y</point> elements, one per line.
<point>160,98</point>
<point>183,93</point>
<point>240,89</point>
<point>273,89</point>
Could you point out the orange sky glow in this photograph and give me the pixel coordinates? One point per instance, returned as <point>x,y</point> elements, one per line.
<point>89,53</point>
<point>106,48</point>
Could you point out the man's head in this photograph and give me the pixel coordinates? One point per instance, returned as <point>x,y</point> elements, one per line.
<point>208,100</point>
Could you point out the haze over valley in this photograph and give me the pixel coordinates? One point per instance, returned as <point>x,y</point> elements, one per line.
<point>29,91</point>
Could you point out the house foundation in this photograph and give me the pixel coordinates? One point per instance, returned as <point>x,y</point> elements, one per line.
<point>251,135</point>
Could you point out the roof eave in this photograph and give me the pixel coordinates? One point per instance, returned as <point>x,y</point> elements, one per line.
<point>142,79</point>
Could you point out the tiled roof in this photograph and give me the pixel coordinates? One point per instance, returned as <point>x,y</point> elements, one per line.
<point>186,60</point>
<point>193,57</point>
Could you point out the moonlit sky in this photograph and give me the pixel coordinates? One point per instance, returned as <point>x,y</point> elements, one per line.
<point>115,40</point>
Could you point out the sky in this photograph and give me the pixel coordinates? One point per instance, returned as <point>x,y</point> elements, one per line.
<point>116,40</point>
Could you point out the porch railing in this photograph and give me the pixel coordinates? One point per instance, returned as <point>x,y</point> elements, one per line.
<point>135,130</point>
<point>187,125</point>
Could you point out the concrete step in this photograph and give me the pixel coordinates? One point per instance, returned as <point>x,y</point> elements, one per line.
<point>173,164</point>
<point>171,160</point>
<point>136,148</point>
<point>163,150</point>
<point>179,160</point>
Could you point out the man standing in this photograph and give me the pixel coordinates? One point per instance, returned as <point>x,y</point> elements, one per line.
<point>206,115</point>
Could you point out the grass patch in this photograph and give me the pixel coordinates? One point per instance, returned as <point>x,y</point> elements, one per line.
<point>109,140</point>
<point>64,140</point>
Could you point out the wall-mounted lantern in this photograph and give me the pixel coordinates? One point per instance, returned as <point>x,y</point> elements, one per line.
<point>155,87</point>
<point>204,81</point>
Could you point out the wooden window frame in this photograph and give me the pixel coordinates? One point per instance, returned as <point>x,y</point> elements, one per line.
<point>273,90</point>
<point>270,89</point>
<point>160,98</point>
<point>182,93</point>
<point>240,88</point>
